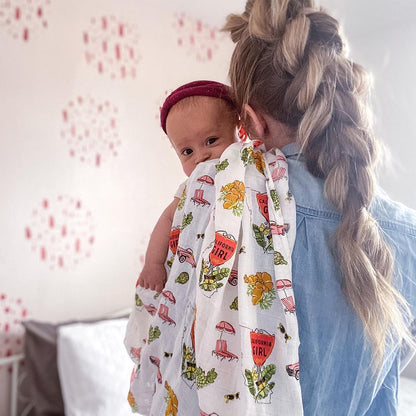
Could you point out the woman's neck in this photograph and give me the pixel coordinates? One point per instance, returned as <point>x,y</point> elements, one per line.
<point>277,134</point>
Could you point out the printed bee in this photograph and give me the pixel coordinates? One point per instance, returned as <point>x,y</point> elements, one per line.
<point>229,397</point>
<point>242,249</point>
<point>200,236</point>
<point>168,354</point>
<point>283,331</point>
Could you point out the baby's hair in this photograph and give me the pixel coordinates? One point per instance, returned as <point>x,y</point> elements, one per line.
<point>290,61</point>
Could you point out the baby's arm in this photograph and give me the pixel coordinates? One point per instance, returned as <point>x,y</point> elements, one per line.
<point>153,275</point>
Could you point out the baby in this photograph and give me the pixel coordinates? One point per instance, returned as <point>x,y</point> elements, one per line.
<point>200,120</point>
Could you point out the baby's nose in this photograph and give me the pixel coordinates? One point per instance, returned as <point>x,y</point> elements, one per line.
<point>202,157</point>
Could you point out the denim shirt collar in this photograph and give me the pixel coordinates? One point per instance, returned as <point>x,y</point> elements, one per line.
<point>291,149</point>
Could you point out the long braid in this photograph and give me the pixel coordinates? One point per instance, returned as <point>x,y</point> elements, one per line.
<point>290,61</point>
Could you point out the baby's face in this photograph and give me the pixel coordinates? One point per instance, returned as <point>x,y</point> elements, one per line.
<point>200,131</point>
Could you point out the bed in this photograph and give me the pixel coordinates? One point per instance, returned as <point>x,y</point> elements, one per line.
<point>82,369</point>
<point>77,368</point>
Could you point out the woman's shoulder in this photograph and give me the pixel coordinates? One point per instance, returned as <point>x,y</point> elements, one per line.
<point>308,191</point>
<point>393,216</point>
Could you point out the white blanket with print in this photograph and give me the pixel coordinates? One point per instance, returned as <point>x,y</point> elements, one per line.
<point>222,337</point>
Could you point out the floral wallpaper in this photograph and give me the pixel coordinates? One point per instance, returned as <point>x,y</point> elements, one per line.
<point>86,168</point>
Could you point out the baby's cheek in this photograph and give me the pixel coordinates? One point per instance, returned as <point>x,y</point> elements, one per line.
<point>188,168</point>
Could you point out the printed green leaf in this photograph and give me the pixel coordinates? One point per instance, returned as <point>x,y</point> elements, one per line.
<point>238,209</point>
<point>181,202</point>
<point>202,379</point>
<point>224,272</point>
<point>154,333</point>
<point>182,278</point>
<point>234,304</point>
<point>187,219</point>
<point>268,372</point>
<point>250,289</point>
<point>265,391</point>
<point>246,156</point>
<point>250,382</point>
<point>183,356</point>
<point>279,259</point>
<point>139,302</point>
<point>275,199</point>
<point>267,299</point>
<point>211,376</point>
<point>269,247</point>
<point>222,166</point>
<point>259,236</point>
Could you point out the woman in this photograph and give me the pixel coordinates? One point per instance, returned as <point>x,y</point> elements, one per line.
<point>354,260</point>
<point>224,338</point>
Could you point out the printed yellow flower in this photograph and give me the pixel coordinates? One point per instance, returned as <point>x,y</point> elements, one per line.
<point>251,280</point>
<point>171,400</point>
<point>259,161</point>
<point>263,283</point>
<point>205,268</point>
<point>131,400</point>
<point>188,354</point>
<point>233,194</point>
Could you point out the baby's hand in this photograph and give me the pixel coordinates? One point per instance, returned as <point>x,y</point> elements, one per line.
<point>153,276</point>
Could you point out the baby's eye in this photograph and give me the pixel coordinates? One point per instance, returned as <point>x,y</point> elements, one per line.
<point>187,152</point>
<point>211,140</point>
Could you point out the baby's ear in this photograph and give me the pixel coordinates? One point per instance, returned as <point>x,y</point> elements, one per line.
<point>256,122</point>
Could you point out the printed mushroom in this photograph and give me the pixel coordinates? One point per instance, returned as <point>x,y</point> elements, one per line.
<point>167,294</point>
<point>206,179</point>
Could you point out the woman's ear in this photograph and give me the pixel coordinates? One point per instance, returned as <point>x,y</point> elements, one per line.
<point>256,121</point>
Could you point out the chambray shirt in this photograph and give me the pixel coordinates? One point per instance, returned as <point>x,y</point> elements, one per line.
<point>335,373</point>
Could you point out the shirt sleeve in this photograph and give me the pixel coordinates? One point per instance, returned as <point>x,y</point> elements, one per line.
<point>179,191</point>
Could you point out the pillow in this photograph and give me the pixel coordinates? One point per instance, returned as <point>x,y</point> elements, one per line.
<point>42,386</point>
<point>94,368</point>
<point>44,390</point>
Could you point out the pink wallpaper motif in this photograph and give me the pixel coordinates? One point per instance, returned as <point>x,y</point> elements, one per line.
<point>197,38</point>
<point>23,18</point>
<point>111,47</point>
<point>61,232</point>
<point>12,311</point>
<point>90,129</point>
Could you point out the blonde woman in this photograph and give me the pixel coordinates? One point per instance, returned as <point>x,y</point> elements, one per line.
<point>292,215</point>
<point>354,261</point>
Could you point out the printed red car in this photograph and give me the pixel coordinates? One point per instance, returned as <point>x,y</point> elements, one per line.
<point>293,370</point>
<point>186,255</point>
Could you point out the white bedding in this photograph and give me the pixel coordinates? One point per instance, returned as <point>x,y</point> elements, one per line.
<point>94,368</point>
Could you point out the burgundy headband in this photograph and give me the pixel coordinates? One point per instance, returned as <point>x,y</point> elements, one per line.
<point>195,88</point>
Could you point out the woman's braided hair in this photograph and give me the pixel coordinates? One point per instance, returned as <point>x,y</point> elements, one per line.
<point>290,62</point>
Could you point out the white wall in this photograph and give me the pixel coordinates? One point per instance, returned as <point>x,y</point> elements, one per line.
<point>381,36</point>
